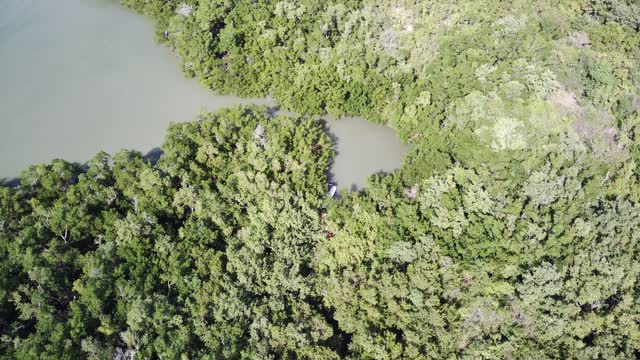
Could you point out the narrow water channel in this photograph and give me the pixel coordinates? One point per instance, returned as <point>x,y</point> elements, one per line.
<point>81,76</point>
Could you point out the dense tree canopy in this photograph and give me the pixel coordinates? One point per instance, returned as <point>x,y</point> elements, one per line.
<point>512,229</point>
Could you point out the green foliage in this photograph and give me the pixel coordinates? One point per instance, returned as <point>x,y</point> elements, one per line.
<point>205,253</point>
<point>509,232</point>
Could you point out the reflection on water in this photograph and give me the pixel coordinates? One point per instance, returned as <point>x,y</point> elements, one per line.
<point>80,76</point>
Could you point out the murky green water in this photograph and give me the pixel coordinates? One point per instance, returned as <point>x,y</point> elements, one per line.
<point>80,76</point>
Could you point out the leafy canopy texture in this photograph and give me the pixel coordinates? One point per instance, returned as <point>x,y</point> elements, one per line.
<point>511,230</point>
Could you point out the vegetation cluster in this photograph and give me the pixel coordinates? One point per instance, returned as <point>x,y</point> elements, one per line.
<point>511,231</point>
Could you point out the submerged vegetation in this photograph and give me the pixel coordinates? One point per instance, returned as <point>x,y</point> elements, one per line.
<point>511,231</point>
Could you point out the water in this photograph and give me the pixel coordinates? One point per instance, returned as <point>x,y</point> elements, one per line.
<point>80,76</point>
<point>362,149</point>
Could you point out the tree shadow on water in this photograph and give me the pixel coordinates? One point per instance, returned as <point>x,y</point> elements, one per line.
<point>334,139</point>
<point>273,111</point>
<point>331,176</point>
<point>153,155</point>
<point>9,182</point>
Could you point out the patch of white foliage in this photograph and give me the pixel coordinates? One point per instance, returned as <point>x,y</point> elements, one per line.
<point>185,10</point>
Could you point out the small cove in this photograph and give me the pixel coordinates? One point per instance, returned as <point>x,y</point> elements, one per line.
<point>81,76</point>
